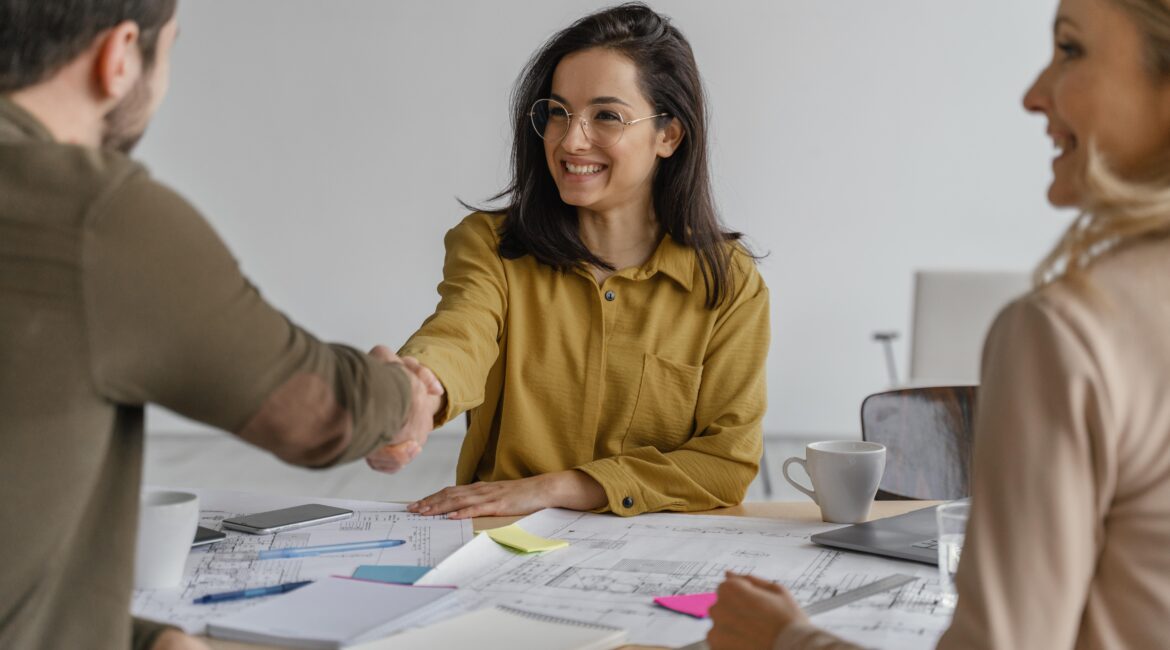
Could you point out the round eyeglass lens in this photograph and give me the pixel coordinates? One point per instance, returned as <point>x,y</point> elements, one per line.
<point>550,119</point>
<point>603,125</point>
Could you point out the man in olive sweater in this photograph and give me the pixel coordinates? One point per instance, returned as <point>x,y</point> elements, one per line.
<point>115,293</point>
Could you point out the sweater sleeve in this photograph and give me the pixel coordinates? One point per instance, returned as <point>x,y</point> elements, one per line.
<point>172,321</point>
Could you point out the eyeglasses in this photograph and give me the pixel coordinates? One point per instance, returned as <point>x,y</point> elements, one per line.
<point>602,125</point>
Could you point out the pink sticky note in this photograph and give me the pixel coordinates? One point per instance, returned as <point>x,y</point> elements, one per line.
<point>692,604</point>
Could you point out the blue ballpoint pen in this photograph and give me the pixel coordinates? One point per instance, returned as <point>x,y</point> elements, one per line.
<point>310,551</point>
<point>250,593</point>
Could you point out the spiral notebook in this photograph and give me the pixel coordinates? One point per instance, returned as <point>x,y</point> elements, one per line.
<point>504,628</point>
<point>330,613</point>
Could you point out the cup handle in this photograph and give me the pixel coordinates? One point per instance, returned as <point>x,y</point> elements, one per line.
<point>811,494</point>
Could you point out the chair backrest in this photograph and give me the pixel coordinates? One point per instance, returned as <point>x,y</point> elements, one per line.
<point>952,312</point>
<point>927,433</point>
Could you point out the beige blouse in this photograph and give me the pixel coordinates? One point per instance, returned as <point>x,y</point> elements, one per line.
<point>1068,545</point>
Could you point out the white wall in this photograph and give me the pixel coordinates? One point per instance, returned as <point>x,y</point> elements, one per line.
<point>854,140</point>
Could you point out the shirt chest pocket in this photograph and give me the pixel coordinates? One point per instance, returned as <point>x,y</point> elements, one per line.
<point>664,410</point>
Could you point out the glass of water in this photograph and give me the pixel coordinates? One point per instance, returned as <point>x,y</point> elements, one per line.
<point>952,526</point>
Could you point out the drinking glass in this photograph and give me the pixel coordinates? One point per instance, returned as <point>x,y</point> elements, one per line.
<point>952,526</point>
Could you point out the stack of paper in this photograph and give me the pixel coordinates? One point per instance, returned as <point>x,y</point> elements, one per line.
<point>218,568</point>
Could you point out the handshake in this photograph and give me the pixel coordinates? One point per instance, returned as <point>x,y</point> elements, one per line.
<point>426,398</point>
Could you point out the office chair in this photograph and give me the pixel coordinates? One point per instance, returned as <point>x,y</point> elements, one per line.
<point>952,312</point>
<point>928,434</point>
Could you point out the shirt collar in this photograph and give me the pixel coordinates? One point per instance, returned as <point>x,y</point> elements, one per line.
<point>671,259</point>
<point>17,124</point>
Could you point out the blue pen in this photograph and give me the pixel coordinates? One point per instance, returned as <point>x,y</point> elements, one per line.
<point>310,551</point>
<point>250,593</point>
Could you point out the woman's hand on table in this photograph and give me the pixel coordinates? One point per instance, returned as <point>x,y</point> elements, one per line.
<point>568,489</point>
<point>750,613</point>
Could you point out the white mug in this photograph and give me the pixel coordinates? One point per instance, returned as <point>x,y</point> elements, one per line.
<point>845,477</point>
<point>166,527</point>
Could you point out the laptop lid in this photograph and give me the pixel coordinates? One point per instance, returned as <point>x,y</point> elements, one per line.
<point>912,536</point>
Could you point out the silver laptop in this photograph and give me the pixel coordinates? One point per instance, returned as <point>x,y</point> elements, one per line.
<point>912,536</point>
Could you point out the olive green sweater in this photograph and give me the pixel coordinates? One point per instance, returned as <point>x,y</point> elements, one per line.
<point>115,293</point>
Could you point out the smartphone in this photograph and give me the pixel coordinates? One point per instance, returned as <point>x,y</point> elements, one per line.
<point>204,535</point>
<point>275,521</point>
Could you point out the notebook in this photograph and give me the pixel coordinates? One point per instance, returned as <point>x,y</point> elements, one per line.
<point>330,613</point>
<point>504,628</point>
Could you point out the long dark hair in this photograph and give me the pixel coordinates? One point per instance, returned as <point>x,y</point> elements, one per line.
<point>540,224</point>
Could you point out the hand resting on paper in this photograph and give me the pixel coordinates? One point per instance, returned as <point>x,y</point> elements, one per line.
<point>750,613</point>
<point>426,399</point>
<point>568,489</point>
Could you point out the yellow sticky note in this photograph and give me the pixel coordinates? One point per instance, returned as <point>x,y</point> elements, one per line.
<point>517,538</point>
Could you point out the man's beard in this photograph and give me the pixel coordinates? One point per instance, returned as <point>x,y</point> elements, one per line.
<point>126,122</point>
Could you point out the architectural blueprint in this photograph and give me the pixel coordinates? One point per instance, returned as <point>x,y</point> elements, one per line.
<point>614,567</point>
<point>225,566</point>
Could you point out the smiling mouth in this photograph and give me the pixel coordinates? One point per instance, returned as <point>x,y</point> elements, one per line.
<point>583,170</point>
<point>1064,144</point>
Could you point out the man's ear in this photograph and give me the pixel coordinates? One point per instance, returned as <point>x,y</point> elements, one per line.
<point>670,138</point>
<point>118,63</point>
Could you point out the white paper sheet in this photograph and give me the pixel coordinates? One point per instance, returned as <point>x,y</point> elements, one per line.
<point>428,541</point>
<point>615,567</point>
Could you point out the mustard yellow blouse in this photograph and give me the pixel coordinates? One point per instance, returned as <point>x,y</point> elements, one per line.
<point>634,382</point>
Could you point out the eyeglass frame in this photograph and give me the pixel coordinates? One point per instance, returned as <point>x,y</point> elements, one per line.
<point>584,122</point>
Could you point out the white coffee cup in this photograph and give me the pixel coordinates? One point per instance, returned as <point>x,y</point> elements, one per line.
<point>845,477</point>
<point>166,527</point>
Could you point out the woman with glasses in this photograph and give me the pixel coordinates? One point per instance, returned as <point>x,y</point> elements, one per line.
<point>1067,542</point>
<point>608,331</point>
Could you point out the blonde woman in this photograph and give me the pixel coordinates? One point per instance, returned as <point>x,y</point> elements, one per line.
<point>1067,542</point>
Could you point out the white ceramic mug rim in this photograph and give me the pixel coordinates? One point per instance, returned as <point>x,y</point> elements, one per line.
<point>860,447</point>
<point>166,498</point>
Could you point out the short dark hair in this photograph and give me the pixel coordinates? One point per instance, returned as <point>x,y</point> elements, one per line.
<point>38,37</point>
<point>540,224</point>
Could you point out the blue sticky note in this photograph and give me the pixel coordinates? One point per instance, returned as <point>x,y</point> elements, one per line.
<point>394,573</point>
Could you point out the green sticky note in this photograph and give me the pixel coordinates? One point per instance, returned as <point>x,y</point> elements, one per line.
<point>517,538</point>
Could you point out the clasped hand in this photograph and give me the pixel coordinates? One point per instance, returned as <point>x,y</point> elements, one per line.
<point>426,398</point>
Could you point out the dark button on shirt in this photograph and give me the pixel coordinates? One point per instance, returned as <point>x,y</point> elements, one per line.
<point>628,502</point>
<point>610,296</point>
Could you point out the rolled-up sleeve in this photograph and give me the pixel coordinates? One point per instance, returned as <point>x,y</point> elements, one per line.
<point>173,322</point>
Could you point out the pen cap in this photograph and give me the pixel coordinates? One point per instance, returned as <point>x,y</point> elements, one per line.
<point>166,526</point>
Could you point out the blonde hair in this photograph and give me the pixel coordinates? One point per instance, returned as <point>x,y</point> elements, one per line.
<point>1117,211</point>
